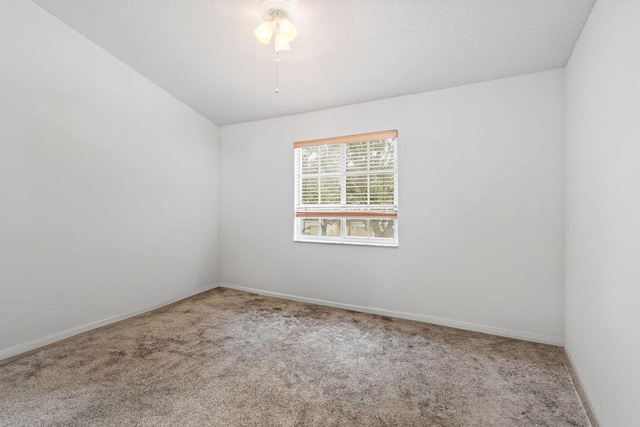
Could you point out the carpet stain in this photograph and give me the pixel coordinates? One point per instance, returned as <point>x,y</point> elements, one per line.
<point>230,358</point>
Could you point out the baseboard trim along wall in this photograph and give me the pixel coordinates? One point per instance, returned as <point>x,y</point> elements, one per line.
<point>581,393</point>
<point>59,336</point>
<point>19,349</point>
<point>492,330</point>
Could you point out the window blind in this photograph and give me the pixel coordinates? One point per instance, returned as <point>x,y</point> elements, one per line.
<point>353,176</point>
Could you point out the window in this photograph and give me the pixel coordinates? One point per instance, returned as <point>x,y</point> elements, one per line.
<point>346,189</point>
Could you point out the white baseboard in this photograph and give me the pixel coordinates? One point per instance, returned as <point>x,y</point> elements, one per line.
<point>49,339</point>
<point>582,393</point>
<point>492,330</point>
<point>527,336</point>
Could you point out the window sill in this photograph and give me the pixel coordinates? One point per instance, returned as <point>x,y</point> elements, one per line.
<point>348,242</point>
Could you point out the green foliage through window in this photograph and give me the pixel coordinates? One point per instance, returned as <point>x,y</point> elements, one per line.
<point>339,181</point>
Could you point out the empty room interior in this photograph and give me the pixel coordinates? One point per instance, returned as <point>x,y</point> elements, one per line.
<point>320,212</point>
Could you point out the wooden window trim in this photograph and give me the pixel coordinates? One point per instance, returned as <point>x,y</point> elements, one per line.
<point>393,215</point>
<point>374,136</point>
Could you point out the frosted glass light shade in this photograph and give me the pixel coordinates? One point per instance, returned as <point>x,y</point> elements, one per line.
<point>264,32</point>
<point>288,30</point>
<point>281,43</point>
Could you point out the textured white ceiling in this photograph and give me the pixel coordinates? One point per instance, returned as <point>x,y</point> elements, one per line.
<point>347,51</point>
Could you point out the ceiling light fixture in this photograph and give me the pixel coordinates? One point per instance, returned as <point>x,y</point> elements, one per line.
<point>278,15</point>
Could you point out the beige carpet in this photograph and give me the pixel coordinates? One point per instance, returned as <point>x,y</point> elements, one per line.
<point>229,358</point>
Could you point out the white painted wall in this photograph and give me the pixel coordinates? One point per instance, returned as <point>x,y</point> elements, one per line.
<point>481,209</point>
<point>603,211</point>
<point>108,186</point>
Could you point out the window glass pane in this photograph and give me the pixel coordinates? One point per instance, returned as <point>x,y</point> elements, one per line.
<point>381,155</point>
<point>350,183</point>
<point>309,160</point>
<point>331,227</point>
<point>382,228</point>
<point>381,187</point>
<point>330,190</point>
<point>357,187</point>
<point>309,226</point>
<point>356,153</point>
<point>309,191</point>
<point>330,156</point>
<point>357,228</point>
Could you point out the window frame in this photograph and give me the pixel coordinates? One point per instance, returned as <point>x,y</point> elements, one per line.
<point>343,211</point>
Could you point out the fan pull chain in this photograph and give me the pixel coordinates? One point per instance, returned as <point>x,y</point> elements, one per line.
<point>277,72</point>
